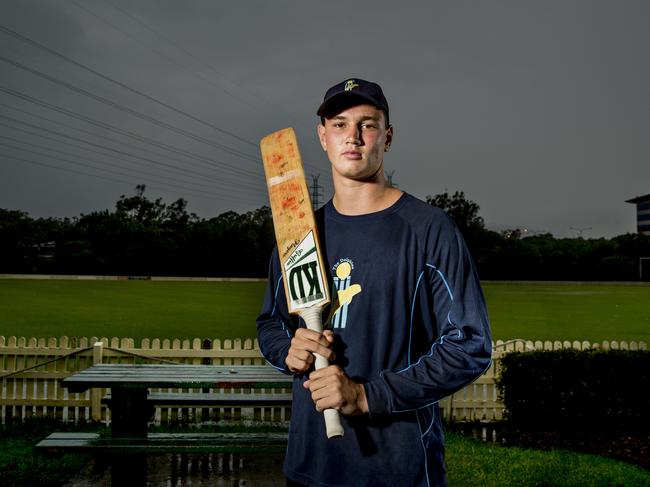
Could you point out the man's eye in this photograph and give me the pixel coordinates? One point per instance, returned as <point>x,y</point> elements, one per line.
<point>369,126</point>
<point>338,125</point>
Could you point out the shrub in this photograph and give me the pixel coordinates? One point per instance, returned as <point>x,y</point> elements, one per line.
<point>571,389</point>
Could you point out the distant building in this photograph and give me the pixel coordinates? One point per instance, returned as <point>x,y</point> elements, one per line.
<point>642,213</point>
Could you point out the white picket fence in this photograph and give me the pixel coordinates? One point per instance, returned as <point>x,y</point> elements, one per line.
<point>32,370</point>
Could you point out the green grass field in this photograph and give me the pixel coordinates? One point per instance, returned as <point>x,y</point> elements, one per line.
<point>469,462</point>
<point>569,311</point>
<point>136,309</point>
<point>159,309</point>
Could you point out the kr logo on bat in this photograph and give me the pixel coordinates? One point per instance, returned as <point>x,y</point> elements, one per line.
<point>305,279</point>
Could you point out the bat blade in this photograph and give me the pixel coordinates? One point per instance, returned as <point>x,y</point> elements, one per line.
<point>305,281</point>
<point>293,219</point>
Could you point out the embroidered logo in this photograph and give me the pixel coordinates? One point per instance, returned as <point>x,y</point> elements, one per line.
<point>350,85</point>
<point>344,291</point>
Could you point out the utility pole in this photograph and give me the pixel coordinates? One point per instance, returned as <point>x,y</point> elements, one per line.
<point>315,191</point>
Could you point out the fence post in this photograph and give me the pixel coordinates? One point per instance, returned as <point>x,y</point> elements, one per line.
<point>95,393</point>
<point>450,408</point>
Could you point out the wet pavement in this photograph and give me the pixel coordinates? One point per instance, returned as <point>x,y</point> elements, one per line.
<point>180,470</point>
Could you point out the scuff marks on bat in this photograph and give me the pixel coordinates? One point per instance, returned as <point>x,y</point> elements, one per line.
<point>293,196</point>
<point>292,203</point>
<point>289,202</point>
<point>276,158</point>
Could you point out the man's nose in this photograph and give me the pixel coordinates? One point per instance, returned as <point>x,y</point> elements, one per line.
<point>353,135</point>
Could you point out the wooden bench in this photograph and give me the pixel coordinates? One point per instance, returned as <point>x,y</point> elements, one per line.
<point>204,399</point>
<point>245,442</point>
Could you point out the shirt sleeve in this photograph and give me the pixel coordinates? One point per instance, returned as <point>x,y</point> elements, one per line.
<point>275,327</point>
<point>452,304</point>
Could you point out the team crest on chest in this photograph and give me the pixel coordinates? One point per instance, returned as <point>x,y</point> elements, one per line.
<point>343,293</point>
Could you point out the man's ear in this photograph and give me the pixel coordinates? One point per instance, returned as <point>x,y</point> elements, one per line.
<point>389,137</point>
<point>321,136</point>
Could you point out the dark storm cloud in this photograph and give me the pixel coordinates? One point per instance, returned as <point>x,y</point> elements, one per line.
<point>537,110</point>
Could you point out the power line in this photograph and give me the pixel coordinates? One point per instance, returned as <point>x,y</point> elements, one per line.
<point>161,54</point>
<point>86,149</point>
<point>122,85</point>
<point>210,162</point>
<point>90,166</point>
<point>117,151</point>
<point>215,196</point>
<point>186,52</point>
<point>125,109</point>
<point>6,156</point>
<point>135,91</point>
<point>89,160</point>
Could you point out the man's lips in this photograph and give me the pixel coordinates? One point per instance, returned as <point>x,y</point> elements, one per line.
<point>352,154</point>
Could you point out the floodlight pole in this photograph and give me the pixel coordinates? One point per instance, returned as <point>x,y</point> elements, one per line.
<point>641,259</point>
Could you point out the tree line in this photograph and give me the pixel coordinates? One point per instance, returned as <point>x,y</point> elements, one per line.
<point>140,237</point>
<point>510,255</point>
<point>144,237</point>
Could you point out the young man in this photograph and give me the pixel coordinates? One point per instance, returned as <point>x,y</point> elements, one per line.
<point>407,327</point>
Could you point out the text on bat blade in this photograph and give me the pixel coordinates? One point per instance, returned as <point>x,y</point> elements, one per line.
<point>302,276</point>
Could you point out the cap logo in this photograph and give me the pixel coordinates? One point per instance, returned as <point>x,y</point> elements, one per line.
<point>350,85</point>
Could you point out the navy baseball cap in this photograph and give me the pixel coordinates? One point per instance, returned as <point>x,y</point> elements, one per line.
<point>351,92</point>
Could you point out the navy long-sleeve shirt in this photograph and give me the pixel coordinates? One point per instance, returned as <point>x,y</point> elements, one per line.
<point>410,323</point>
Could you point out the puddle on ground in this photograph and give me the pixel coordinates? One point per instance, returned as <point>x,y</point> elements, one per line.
<point>183,469</point>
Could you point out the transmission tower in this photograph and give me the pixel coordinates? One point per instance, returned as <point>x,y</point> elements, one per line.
<point>389,179</point>
<point>580,230</point>
<point>315,191</point>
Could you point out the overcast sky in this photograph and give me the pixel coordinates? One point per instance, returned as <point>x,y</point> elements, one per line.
<point>538,111</point>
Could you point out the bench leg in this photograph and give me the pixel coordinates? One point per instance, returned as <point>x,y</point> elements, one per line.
<point>128,469</point>
<point>130,413</point>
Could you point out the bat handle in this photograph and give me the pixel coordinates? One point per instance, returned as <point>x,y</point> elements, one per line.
<point>313,320</point>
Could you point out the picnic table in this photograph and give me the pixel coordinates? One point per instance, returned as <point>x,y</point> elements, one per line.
<point>132,404</point>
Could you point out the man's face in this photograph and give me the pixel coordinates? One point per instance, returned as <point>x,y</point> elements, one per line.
<point>355,141</point>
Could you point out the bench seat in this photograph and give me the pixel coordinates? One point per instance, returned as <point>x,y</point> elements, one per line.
<point>243,442</point>
<point>180,399</point>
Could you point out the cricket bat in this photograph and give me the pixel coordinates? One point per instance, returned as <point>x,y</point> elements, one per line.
<point>303,271</point>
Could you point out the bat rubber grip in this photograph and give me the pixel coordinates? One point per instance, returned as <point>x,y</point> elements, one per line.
<point>313,320</point>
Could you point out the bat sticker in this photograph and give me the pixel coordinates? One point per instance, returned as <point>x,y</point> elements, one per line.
<point>304,275</point>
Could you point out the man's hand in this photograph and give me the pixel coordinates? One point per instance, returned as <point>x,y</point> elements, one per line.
<point>332,388</point>
<point>303,346</point>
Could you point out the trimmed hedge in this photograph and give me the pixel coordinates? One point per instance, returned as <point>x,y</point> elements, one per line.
<point>571,389</point>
